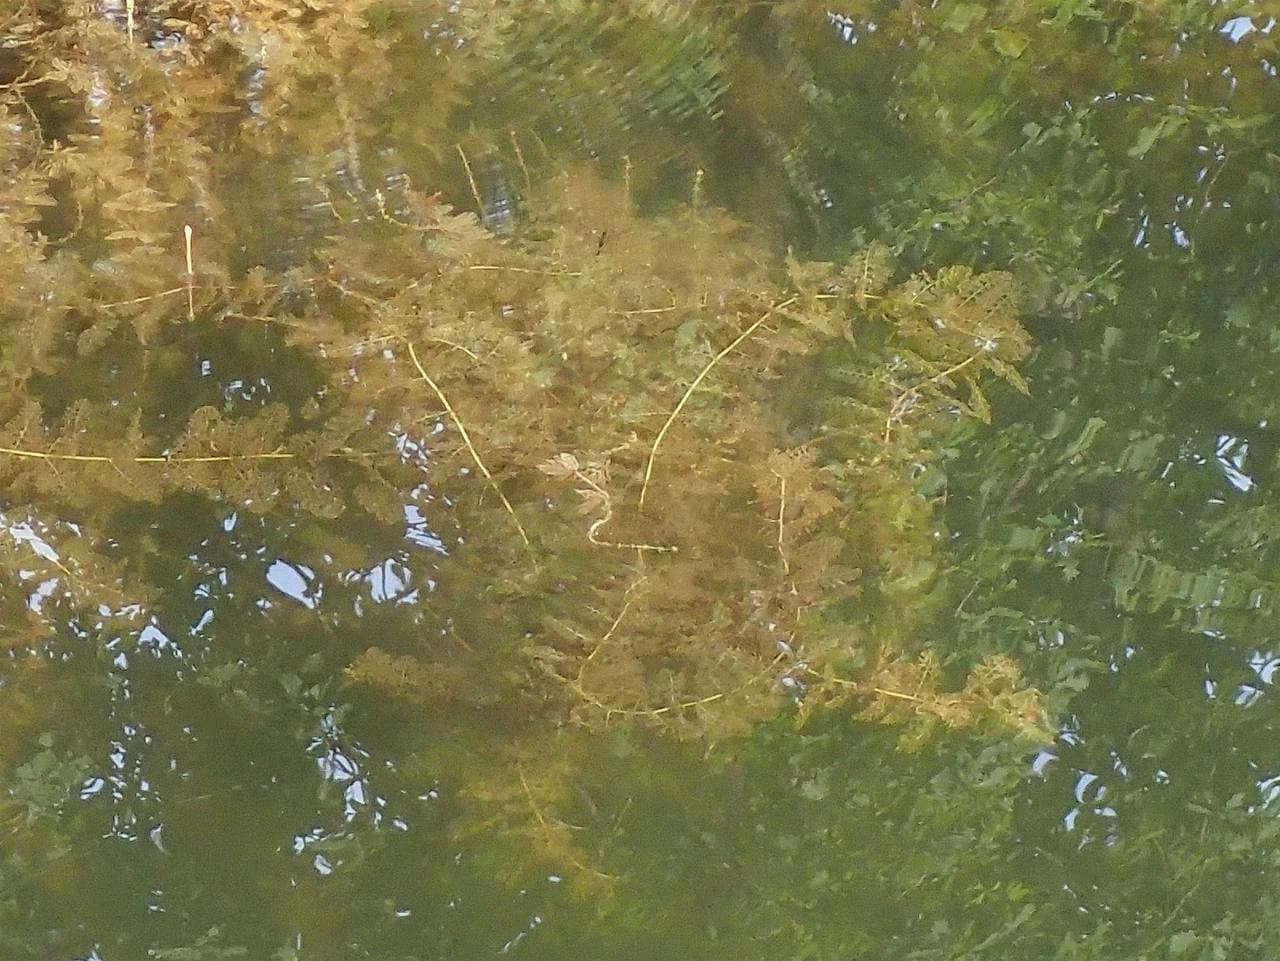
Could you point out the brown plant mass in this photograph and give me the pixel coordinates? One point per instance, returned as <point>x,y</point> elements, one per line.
<point>683,461</point>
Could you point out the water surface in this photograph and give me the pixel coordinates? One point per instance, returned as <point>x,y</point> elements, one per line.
<point>306,658</point>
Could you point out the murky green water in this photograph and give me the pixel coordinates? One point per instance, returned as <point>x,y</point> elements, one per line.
<point>578,500</point>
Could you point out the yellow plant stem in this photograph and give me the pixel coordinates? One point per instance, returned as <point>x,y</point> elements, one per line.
<point>594,530</point>
<point>782,513</point>
<point>515,142</point>
<point>153,459</point>
<point>471,180</point>
<point>191,272</point>
<point>894,413</point>
<point>610,711</point>
<point>733,345</point>
<point>471,448</point>
<point>549,833</point>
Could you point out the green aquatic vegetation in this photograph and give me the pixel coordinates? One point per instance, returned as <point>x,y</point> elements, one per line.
<point>1042,138</point>
<point>705,546</point>
<point>597,401</point>
<point>658,475</point>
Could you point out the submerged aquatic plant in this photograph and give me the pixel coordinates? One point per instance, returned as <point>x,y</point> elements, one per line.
<point>685,465</point>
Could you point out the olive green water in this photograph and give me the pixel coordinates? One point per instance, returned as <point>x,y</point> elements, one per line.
<point>544,223</point>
